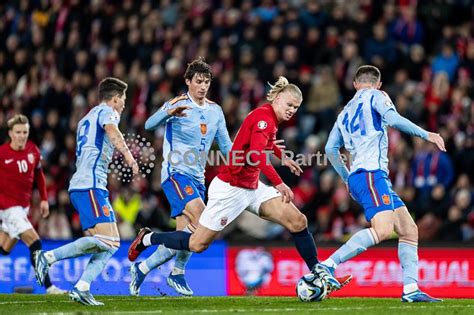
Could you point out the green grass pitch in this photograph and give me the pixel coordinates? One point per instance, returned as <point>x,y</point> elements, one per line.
<point>23,303</point>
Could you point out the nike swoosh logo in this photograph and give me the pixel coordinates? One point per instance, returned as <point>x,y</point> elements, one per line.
<point>8,161</point>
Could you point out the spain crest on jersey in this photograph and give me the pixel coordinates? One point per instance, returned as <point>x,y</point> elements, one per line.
<point>203,129</point>
<point>31,158</point>
<point>386,199</point>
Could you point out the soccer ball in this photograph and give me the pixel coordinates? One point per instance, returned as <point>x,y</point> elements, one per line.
<point>311,288</point>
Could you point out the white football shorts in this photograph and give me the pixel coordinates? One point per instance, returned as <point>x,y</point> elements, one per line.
<point>227,202</point>
<point>15,221</point>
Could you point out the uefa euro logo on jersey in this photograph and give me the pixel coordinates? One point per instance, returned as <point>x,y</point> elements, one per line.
<point>203,129</point>
<point>262,124</point>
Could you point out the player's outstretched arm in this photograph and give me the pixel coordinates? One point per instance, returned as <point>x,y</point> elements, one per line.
<point>118,141</point>
<point>436,139</point>
<point>335,142</point>
<point>399,122</point>
<point>222,135</point>
<point>163,114</point>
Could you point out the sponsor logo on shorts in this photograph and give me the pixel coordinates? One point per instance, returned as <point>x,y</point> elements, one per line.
<point>386,199</point>
<point>223,221</point>
<point>106,211</point>
<point>189,190</point>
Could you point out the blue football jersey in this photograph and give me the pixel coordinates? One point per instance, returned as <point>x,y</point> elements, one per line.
<point>364,130</point>
<point>94,150</point>
<point>187,140</point>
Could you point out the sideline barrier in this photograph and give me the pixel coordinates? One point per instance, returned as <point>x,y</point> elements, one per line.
<point>223,270</point>
<point>17,272</point>
<point>377,273</point>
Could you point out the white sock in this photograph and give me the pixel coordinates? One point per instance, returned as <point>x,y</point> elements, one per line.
<point>330,263</point>
<point>147,239</point>
<point>50,257</point>
<point>83,286</point>
<point>143,267</point>
<point>177,271</point>
<point>409,288</point>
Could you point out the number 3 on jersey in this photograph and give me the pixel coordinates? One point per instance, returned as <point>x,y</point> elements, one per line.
<point>357,122</point>
<point>82,136</point>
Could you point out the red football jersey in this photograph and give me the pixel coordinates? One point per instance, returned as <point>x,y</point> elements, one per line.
<point>18,170</point>
<point>247,157</point>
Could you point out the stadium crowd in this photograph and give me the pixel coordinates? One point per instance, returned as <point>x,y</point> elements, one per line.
<point>54,52</point>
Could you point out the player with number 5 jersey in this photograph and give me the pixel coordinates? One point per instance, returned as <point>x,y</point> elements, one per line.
<point>361,128</point>
<point>192,123</point>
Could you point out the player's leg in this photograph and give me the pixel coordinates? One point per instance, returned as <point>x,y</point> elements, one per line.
<point>370,190</point>
<point>32,240</point>
<point>6,243</point>
<point>108,236</point>
<point>176,278</point>
<point>408,254</point>
<point>287,215</point>
<point>104,229</point>
<point>186,200</point>
<point>12,220</point>
<point>102,240</point>
<point>90,212</point>
<point>188,223</point>
<point>162,254</point>
<point>16,225</point>
<point>270,206</point>
<point>197,242</point>
<point>225,204</point>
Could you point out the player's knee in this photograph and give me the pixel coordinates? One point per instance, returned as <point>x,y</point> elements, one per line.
<point>115,246</point>
<point>107,244</point>
<point>193,212</point>
<point>385,232</point>
<point>300,222</point>
<point>410,232</point>
<point>297,223</point>
<point>3,252</point>
<point>197,246</point>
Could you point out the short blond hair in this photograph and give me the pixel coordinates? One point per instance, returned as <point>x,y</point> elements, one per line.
<point>282,85</point>
<point>18,119</point>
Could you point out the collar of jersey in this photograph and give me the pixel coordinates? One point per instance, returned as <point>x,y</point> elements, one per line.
<point>192,101</point>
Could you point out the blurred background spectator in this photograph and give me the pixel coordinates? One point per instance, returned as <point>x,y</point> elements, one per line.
<point>53,54</point>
